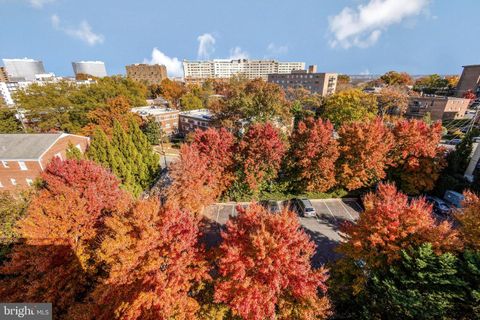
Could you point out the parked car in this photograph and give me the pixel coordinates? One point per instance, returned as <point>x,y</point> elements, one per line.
<point>303,207</point>
<point>454,142</point>
<point>476,139</point>
<point>272,206</point>
<point>440,207</point>
<point>454,198</point>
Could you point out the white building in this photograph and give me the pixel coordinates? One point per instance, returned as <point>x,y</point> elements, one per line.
<point>92,68</point>
<point>23,69</point>
<point>198,71</point>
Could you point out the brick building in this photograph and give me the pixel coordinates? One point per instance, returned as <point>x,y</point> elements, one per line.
<point>166,117</point>
<point>439,107</point>
<point>147,73</point>
<point>3,75</point>
<point>24,156</point>
<point>194,119</point>
<point>470,80</point>
<point>321,83</point>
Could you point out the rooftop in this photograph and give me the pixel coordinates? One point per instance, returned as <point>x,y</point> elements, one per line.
<point>26,146</point>
<point>152,110</point>
<point>202,114</point>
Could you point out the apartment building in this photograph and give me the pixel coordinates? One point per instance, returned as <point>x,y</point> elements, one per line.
<point>166,117</point>
<point>321,83</point>
<point>147,73</point>
<point>199,71</point>
<point>24,156</point>
<point>439,107</point>
<point>23,69</point>
<point>89,68</point>
<point>469,80</point>
<point>195,119</point>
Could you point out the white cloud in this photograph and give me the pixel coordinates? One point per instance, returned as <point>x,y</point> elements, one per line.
<point>363,25</point>
<point>39,3</point>
<point>238,53</point>
<point>83,31</point>
<point>174,65</point>
<point>206,47</point>
<point>273,49</point>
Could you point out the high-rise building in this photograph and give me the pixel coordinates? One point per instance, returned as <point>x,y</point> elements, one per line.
<point>148,73</point>
<point>469,81</point>
<point>23,69</point>
<point>198,71</point>
<point>89,68</point>
<point>321,83</point>
<point>3,75</point>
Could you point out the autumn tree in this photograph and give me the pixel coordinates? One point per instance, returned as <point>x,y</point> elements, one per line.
<point>364,148</point>
<point>392,100</point>
<point>153,265</point>
<point>258,158</point>
<point>9,122</point>
<point>152,130</point>
<point>469,221</point>
<point>469,95</point>
<point>172,91</point>
<point>117,109</point>
<point>265,270</point>
<point>56,261</point>
<point>396,78</point>
<point>349,106</point>
<point>312,156</point>
<point>189,101</point>
<point>417,159</point>
<point>431,84</point>
<point>391,223</point>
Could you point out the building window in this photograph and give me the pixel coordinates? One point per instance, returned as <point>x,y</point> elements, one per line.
<point>13,181</point>
<point>22,165</point>
<point>29,181</point>
<point>79,147</point>
<point>5,164</point>
<point>1,185</point>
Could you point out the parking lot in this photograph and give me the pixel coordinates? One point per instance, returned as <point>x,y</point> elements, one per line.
<point>324,229</point>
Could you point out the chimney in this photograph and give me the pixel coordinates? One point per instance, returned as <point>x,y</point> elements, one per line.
<point>312,68</point>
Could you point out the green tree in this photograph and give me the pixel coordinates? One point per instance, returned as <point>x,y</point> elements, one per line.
<point>396,78</point>
<point>149,158</point>
<point>73,152</point>
<point>190,101</point>
<point>349,106</point>
<point>422,285</point>
<point>152,130</point>
<point>9,122</point>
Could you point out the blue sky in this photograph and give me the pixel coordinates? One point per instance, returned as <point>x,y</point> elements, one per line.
<point>346,36</point>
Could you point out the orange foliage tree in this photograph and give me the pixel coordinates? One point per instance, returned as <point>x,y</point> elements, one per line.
<point>172,91</point>
<point>259,156</point>
<point>153,263</point>
<point>217,146</point>
<point>193,184</point>
<point>312,155</point>
<point>118,109</point>
<point>469,219</point>
<point>391,223</point>
<point>265,270</point>
<point>57,258</point>
<point>416,158</point>
<point>364,148</point>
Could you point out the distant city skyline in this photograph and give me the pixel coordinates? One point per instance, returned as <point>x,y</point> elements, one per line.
<point>347,36</point>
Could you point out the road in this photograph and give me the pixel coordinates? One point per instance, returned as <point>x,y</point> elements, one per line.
<point>323,230</point>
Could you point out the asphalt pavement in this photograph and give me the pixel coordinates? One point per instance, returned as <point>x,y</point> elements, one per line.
<point>323,229</point>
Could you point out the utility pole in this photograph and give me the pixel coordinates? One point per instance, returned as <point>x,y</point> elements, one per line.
<point>163,150</point>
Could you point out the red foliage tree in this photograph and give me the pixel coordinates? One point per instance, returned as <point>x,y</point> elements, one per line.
<point>265,268</point>
<point>469,220</point>
<point>469,95</point>
<point>260,155</point>
<point>417,160</point>
<point>193,184</point>
<point>153,262</point>
<point>64,220</point>
<point>391,223</point>
<point>217,147</point>
<point>364,151</point>
<point>312,155</point>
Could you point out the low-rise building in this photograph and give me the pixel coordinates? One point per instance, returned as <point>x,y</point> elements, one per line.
<point>24,156</point>
<point>321,83</point>
<point>3,74</point>
<point>195,119</point>
<point>167,118</point>
<point>147,73</point>
<point>439,107</point>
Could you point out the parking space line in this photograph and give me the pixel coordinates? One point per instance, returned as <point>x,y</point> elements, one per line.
<point>346,209</point>
<point>359,207</point>
<point>218,213</point>
<point>330,210</point>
